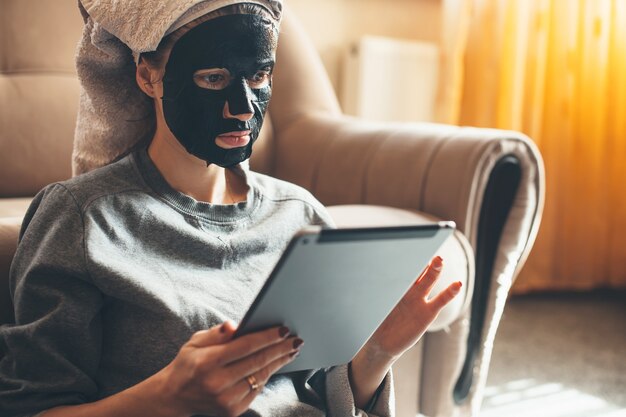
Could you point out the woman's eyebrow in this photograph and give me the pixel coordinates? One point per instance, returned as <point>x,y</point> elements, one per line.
<point>267,63</point>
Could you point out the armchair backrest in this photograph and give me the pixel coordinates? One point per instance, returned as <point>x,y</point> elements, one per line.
<point>38,93</point>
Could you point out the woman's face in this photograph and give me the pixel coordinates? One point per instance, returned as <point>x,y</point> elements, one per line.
<point>217,85</point>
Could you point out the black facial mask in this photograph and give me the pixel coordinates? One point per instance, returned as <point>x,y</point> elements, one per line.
<point>241,50</point>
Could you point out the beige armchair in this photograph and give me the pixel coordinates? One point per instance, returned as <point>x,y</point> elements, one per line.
<point>490,182</point>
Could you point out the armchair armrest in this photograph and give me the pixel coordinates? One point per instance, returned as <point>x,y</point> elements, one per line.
<point>439,169</point>
<point>489,181</point>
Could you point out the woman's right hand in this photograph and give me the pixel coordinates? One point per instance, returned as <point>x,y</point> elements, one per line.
<point>210,373</point>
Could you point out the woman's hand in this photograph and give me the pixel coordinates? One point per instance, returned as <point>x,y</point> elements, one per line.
<point>400,331</point>
<point>210,374</point>
<point>412,316</point>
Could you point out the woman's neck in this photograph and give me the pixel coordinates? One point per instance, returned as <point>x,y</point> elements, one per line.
<point>190,175</point>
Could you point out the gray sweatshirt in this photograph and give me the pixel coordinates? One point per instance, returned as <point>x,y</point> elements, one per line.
<point>114,272</point>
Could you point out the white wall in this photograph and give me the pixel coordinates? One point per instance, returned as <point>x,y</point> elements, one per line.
<point>335,24</point>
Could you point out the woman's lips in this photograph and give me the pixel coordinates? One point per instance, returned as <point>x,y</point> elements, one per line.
<point>233,139</point>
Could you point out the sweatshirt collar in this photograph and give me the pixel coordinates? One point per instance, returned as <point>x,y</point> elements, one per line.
<point>220,213</point>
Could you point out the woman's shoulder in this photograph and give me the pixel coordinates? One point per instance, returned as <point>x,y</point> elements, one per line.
<point>114,178</point>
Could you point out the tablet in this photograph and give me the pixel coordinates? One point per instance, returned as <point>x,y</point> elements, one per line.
<point>334,287</point>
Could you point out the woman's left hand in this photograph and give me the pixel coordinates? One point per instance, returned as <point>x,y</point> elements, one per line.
<point>411,317</point>
<point>400,331</point>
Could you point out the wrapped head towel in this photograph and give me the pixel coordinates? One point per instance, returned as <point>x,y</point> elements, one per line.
<point>114,114</point>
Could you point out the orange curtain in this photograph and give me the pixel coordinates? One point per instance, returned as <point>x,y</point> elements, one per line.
<point>555,70</point>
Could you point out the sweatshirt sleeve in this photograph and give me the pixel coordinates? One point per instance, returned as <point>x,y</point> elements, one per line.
<point>329,389</point>
<point>49,356</point>
<point>340,401</point>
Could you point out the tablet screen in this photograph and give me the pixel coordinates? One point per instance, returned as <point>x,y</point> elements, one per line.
<point>334,287</point>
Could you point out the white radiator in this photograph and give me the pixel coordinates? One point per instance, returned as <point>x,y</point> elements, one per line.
<point>390,79</point>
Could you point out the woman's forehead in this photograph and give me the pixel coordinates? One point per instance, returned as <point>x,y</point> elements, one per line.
<point>240,43</point>
<point>241,34</point>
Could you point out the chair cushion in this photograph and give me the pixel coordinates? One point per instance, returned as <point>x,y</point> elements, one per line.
<point>9,230</point>
<point>456,252</point>
<point>14,207</point>
<point>11,214</point>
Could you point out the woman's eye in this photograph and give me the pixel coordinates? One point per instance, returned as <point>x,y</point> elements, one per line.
<point>260,79</point>
<point>212,80</point>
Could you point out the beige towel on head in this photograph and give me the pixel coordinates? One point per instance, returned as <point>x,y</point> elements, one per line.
<point>114,114</point>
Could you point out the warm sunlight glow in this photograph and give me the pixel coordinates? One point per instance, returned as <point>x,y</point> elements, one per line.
<point>528,397</point>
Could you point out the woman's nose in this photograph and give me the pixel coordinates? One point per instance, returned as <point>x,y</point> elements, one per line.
<point>239,103</point>
<point>244,117</point>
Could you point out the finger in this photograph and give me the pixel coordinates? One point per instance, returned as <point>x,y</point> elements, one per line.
<point>261,359</point>
<point>243,388</point>
<point>229,327</point>
<point>246,345</point>
<point>444,297</point>
<point>213,336</point>
<point>429,277</point>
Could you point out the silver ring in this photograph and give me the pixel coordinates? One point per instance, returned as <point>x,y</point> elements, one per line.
<point>254,385</point>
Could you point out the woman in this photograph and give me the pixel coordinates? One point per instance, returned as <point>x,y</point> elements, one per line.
<point>128,279</point>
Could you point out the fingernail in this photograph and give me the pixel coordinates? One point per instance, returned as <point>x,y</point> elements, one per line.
<point>457,288</point>
<point>223,328</point>
<point>437,263</point>
<point>283,332</point>
<point>297,343</point>
<point>294,354</point>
